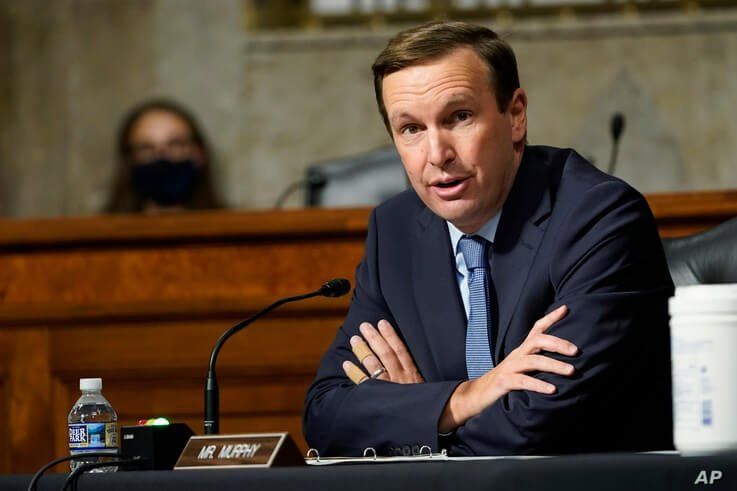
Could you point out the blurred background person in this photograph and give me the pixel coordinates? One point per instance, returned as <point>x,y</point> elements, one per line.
<point>164,162</point>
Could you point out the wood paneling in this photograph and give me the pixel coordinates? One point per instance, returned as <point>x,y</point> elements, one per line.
<point>28,389</point>
<point>190,227</point>
<point>140,301</point>
<point>183,272</point>
<point>4,428</point>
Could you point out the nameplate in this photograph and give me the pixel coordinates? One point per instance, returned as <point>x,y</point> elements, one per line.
<point>251,450</point>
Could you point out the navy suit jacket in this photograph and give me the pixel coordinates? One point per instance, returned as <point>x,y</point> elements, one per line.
<point>568,234</point>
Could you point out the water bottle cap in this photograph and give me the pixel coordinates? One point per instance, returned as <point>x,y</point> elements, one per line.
<point>90,384</point>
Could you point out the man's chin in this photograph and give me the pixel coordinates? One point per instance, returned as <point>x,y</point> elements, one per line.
<point>456,212</point>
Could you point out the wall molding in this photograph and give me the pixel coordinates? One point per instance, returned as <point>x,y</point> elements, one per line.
<point>534,30</point>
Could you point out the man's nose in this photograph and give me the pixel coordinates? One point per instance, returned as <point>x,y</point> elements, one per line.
<point>440,150</point>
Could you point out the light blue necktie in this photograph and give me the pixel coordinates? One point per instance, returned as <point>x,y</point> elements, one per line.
<point>478,351</point>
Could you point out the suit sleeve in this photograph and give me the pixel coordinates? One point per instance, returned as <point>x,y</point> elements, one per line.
<point>342,418</point>
<point>609,269</point>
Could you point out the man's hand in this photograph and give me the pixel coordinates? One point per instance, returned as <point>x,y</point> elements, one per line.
<point>385,357</point>
<point>473,396</point>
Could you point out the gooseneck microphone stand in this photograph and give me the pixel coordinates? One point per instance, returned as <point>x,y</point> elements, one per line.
<point>333,288</point>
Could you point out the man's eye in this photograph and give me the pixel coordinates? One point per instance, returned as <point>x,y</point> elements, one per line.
<point>463,115</point>
<point>410,129</point>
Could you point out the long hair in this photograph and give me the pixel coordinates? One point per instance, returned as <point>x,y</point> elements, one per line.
<point>123,198</point>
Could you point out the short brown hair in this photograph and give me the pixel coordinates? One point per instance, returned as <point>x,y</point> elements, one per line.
<point>439,38</point>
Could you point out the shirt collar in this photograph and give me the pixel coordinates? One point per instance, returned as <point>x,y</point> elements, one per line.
<point>487,231</point>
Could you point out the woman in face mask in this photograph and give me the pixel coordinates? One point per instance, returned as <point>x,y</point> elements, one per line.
<point>163,162</point>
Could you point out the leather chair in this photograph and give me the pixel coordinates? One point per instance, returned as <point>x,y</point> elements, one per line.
<point>706,257</point>
<point>366,179</point>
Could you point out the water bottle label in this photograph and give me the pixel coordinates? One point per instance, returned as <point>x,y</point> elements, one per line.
<point>93,436</point>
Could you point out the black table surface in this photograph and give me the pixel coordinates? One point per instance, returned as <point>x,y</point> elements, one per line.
<point>600,472</point>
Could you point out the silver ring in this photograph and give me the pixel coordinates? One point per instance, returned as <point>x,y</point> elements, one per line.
<point>377,373</point>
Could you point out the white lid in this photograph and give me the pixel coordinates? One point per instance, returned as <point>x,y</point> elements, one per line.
<point>707,291</point>
<point>90,384</point>
<point>704,299</point>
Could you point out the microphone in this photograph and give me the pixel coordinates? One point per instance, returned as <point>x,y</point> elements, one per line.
<point>315,180</point>
<point>333,288</point>
<point>616,128</point>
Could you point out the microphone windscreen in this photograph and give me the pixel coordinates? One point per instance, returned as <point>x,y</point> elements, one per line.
<point>316,178</point>
<point>335,288</point>
<point>617,125</point>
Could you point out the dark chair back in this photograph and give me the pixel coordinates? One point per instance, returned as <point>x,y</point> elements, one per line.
<point>704,258</point>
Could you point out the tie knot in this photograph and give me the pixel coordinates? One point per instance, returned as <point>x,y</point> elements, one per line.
<point>474,251</point>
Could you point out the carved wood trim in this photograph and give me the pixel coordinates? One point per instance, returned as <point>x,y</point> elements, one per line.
<point>182,228</point>
<point>49,233</point>
<point>170,310</point>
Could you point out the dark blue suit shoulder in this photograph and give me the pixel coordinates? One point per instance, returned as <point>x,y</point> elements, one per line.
<point>404,203</point>
<point>576,180</point>
<point>399,212</point>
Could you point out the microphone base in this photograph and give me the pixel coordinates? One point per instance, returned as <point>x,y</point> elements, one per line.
<point>211,428</point>
<point>212,406</point>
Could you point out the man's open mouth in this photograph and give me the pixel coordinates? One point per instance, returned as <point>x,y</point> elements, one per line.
<point>449,184</point>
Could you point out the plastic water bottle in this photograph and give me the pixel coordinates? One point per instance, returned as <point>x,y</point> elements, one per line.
<point>93,425</point>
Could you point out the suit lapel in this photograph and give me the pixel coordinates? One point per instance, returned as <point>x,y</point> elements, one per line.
<point>518,237</point>
<point>437,296</point>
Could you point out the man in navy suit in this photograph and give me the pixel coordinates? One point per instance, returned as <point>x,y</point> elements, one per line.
<point>513,302</point>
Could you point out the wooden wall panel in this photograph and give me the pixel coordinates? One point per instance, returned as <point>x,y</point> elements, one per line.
<point>28,389</point>
<point>6,349</point>
<point>174,272</point>
<point>64,393</point>
<point>4,428</point>
<point>140,301</point>
<point>265,348</point>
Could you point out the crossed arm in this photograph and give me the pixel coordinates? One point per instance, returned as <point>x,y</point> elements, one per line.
<point>381,348</point>
<point>610,274</point>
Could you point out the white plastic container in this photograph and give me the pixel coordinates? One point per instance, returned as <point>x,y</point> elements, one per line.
<point>703,329</point>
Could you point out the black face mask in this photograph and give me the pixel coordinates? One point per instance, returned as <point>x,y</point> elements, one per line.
<point>165,182</point>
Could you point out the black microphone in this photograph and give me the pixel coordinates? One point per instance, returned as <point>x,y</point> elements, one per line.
<point>333,288</point>
<point>616,127</point>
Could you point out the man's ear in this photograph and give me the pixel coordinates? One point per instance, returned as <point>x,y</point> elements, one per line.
<point>517,111</point>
